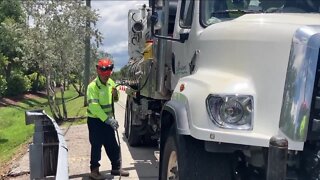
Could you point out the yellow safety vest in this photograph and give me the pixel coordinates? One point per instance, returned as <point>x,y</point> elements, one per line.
<point>99,99</point>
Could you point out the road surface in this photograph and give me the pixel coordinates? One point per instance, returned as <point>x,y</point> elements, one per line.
<point>141,162</point>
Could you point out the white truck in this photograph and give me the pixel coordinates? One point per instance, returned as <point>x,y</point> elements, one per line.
<point>229,88</point>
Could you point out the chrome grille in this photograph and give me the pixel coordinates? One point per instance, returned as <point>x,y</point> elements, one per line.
<point>314,124</point>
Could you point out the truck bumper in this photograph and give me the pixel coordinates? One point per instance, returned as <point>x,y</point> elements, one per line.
<point>277,158</point>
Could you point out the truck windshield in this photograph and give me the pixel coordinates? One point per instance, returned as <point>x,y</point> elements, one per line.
<point>215,11</point>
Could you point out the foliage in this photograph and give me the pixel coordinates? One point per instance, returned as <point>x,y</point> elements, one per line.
<point>116,75</point>
<point>18,84</point>
<point>122,74</point>
<point>38,82</point>
<point>3,63</point>
<point>3,85</point>
<point>12,25</point>
<point>124,71</point>
<point>11,9</point>
<point>14,132</point>
<point>55,43</point>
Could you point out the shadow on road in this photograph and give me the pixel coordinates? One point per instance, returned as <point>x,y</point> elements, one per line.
<point>107,174</point>
<point>146,163</point>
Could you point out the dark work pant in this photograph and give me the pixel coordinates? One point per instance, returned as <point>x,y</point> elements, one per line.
<point>101,134</point>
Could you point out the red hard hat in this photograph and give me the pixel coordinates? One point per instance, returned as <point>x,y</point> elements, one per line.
<point>104,67</point>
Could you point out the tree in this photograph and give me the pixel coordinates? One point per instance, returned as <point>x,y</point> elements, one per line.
<point>55,44</point>
<point>11,26</point>
<point>122,74</point>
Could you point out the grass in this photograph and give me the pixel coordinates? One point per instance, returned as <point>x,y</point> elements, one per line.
<point>76,109</point>
<point>13,131</point>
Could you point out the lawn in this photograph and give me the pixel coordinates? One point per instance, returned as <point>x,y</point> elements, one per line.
<point>13,131</point>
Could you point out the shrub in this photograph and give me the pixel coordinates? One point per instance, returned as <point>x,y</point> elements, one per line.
<point>18,84</point>
<point>3,85</point>
<point>37,85</point>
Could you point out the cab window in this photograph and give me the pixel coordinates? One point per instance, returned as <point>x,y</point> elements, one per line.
<point>215,11</point>
<point>186,13</point>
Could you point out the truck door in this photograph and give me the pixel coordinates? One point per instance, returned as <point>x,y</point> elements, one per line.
<point>182,52</point>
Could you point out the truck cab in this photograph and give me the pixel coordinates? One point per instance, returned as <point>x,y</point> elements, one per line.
<point>243,85</point>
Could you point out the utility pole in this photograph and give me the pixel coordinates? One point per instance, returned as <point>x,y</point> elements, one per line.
<point>87,56</point>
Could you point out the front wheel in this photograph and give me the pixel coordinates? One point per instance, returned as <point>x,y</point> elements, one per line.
<point>170,160</point>
<point>184,158</point>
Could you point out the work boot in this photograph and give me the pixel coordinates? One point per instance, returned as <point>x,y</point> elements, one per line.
<point>118,172</point>
<point>95,174</point>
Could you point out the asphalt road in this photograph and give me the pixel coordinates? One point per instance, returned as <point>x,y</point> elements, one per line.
<point>141,162</point>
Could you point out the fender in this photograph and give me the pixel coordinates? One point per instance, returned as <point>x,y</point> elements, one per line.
<point>180,114</point>
<point>180,120</point>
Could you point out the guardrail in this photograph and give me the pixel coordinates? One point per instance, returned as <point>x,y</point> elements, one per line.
<point>48,153</point>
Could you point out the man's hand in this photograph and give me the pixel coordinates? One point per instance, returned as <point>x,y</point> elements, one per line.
<point>113,123</point>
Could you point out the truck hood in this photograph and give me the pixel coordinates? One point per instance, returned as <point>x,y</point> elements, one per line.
<point>283,18</point>
<point>259,27</point>
<point>248,55</point>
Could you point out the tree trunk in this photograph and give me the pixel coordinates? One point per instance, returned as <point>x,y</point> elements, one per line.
<point>37,82</point>
<point>51,95</point>
<point>78,89</point>
<point>8,71</point>
<point>64,84</point>
<point>64,108</point>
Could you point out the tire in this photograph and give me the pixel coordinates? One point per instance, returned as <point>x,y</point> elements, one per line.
<point>134,139</point>
<point>169,164</point>
<point>193,162</point>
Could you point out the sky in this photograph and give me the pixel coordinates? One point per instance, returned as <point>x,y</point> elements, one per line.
<point>113,24</point>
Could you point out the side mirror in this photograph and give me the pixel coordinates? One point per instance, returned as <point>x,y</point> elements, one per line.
<point>155,19</point>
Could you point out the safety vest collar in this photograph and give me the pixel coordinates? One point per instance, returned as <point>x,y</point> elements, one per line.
<point>100,84</point>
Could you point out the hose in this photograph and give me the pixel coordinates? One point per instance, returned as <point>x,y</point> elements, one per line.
<point>143,85</point>
<point>120,153</point>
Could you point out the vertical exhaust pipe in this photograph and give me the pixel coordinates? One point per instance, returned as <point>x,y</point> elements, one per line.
<point>160,88</point>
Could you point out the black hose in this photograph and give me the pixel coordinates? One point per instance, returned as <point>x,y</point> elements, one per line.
<point>120,153</point>
<point>145,82</point>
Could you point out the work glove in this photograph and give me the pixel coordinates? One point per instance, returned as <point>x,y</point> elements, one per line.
<point>113,123</point>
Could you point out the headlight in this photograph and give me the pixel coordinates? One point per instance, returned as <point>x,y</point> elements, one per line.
<point>231,111</point>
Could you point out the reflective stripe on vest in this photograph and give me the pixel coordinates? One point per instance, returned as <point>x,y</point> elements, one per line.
<point>93,101</point>
<point>108,112</point>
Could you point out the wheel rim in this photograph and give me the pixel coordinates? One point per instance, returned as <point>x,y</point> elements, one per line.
<point>172,170</point>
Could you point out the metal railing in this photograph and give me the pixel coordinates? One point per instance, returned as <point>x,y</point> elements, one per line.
<point>48,153</point>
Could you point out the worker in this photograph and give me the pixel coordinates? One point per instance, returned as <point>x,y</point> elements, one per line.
<point>101,123</point>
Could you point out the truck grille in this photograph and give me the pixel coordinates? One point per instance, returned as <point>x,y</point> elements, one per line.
<point>314,123</point>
